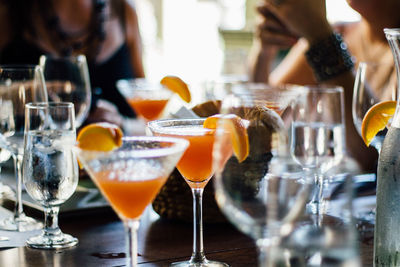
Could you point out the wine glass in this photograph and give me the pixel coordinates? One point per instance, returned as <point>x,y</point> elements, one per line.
<point>267,190</point>
<point>50,169</point>
<point>196,168</point>
<point>318,135</point>
<point>19,84</point>
<point>148,99</point>
<point>131,176</point>
<point>374,83</point>
<point>67,80</point>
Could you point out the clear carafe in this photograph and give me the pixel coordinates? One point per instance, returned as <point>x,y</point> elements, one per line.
<point>387,230</point>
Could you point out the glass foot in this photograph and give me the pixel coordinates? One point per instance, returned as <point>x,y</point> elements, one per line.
<point>205,263</point>
<point>52,242</point>
<point>21,224</point>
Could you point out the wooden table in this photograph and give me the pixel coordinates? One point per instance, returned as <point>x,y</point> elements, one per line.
<point>160,242</point>
<point>102,243</point>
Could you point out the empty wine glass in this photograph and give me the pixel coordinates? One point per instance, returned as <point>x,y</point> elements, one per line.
<point>267,190</point>
<point>67,80</point>
<point>19,84</point>
<point>317,135</point>
<point>374,83</point>
<point>50,168</point>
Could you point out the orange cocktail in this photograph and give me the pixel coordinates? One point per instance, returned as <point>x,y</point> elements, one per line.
<point>131,175</point>
<point>196,167</point>
<point>147,98</point>
<point>196,163</point>
<point>128,198</point>
<point>149,109</point>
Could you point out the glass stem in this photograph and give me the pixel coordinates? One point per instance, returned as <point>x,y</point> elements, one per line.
<point>198,250</point>
<point>51,221</point>
<point>131,227</point>
<point>317,198</point>
<point>18,211</point>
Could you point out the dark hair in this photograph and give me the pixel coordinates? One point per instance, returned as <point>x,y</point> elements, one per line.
<point>20,14</point>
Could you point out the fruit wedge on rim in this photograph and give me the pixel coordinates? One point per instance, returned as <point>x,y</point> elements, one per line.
<point>178,86</point>
<point>100,136</point>
<point>237,128</point>
<point>376,119</point>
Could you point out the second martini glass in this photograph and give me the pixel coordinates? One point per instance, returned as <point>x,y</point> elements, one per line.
<point>131,176</point>
<point>146,98</point>
<point>196,168</point>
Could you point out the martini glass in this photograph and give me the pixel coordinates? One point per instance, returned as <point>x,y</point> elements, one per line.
<point>131,176</point>
<point>148,99</point>
<point>196,166</point>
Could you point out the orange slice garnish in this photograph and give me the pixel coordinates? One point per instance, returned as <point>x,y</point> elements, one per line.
<point>178,86</point>
<point>238,132</point>
<point>101,136</point>
<point>376,119</point>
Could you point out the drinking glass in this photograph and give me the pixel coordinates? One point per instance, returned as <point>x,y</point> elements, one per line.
<point>317,135</point>
<point>196,167</point>
<point>374,83</point>
<point>131,176</point>
<point>19,84</point>
<point>50,168</point>
<point>148,99</point>
<point>67,80</point>
<point>267,190</point>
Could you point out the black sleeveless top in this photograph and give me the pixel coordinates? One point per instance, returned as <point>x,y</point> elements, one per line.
<point>103,76</point>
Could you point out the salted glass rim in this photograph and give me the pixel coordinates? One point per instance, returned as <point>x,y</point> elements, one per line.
<point>142,84</point>
<point>178,145</point>
<point>163,126</point>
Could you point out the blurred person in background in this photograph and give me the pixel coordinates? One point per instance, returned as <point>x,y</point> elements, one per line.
<point>105,31</point>
<point>321,53</point>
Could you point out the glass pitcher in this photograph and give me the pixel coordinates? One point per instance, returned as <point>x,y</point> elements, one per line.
<point>387,230</point>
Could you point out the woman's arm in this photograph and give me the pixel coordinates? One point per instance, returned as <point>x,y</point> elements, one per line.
<point>133,38</point>
<point>296,68</point>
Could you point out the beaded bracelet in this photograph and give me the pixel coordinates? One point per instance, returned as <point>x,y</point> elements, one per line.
<point>329,57</point>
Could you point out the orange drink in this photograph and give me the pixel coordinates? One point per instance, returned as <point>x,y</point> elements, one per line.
<point>131,175</point>
<point>196,163</point>
<point>149,109</point>
<point>128,198</point>
<point>147,98</point>
<point>196,167</point>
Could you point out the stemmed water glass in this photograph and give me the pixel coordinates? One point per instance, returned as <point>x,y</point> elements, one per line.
<point>317,135</point>
<point>131,176</point>
<point>267,190</point>
<point>196,167</point>
<point>19,84</point>
<point>67,80</point>
<point>50,169</point>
